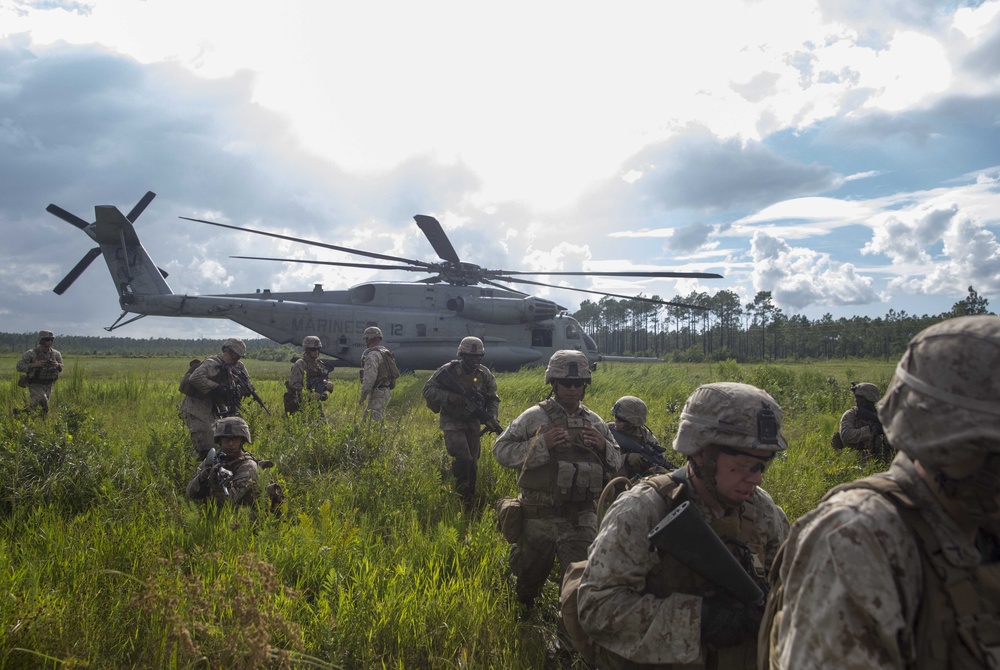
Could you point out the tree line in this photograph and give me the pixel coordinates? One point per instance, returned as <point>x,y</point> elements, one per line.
<point>130,347</point>
<point>718,327</point>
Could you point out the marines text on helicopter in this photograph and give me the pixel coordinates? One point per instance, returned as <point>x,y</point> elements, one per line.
<point>422,322</point>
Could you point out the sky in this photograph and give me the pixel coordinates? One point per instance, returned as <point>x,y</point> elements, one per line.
<point>843,155</point>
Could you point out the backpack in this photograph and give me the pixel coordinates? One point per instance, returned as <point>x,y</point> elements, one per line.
<point>392,370</point>
<point>186,387</point>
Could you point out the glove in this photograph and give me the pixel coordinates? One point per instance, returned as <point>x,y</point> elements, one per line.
<point>877,430</point>
<point>724,622</point>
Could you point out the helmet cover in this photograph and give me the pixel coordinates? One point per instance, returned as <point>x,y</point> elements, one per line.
<point>943,403</point>
<point>471,345</point>
<point>732,415</point>
<point>630,409</point>
<point>372,332</point>
<point>311,342</point>
<point>232,426</point>
<point>235,345</point>
<point>567,364</point>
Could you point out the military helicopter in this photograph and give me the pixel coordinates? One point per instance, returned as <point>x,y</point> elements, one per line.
<point>422,322</point>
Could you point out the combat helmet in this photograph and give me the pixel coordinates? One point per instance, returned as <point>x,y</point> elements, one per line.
<point>943,403</point>
<point>471,345</point>
<point>311,342</point>
<point>865,391</point>
<point>235,345</point>
<point>729,414</point>
<point>372,332</point>
<point>232,426</point>
<point>567,364</point>
<point>630,409</point>
<point>45,335</point>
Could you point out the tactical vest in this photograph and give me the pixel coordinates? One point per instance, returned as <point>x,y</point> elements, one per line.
<point>316,375</point>
<point>46,374</point>
<point>739,533</point>
<point>383,374</point>
<point>575,472</point>
<point>958,622</point>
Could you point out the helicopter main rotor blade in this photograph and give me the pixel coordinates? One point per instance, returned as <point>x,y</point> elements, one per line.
<point>429,267</point>
<point>67,217</point>
<point>140,206</point>
<point>77,271</point>
<point>610,295</point>
<point>661,274</point>
<point>370,266</point>
<point>436,236</point>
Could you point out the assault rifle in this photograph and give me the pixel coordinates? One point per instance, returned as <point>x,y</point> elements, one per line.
<point>473,401</point>
<point>223,475</point>
<point>650,454</point>
<point>684,535</point>
<point>239,387</point>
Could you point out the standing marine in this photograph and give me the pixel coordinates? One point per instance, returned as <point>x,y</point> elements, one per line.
<point>645,609</point>
<point>860,428</point>
<point>309,377</point>
<point>464,394</point>
<point>902,569</point>
<point>40,368</point>
<point>564,455</point>
<point>376,376</point>
<point>212,391</point>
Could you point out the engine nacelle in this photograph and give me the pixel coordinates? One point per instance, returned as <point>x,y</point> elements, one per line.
<point>503,311</point>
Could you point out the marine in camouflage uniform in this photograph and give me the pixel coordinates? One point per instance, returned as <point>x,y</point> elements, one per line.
<point>374,376</point>
<point>564,454</point>
<point>865,435</point>
<point>231,477</point>
<point>461,428</point>
<point>307,373</point>
<point>41,366</point>
<point>201,410</point>
<point>630,415</point>
<point>902,569</point>
<point>644,609</point>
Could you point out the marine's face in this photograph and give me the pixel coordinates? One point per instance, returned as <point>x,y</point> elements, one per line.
<point>45,344</point>
<point>231,444</point>
<point>312,353</point>
<point>569,392</point>
<point>470,361</point>
<point>738,472</point>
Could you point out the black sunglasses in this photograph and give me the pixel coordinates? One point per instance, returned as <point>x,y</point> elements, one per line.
<point>572,383</point>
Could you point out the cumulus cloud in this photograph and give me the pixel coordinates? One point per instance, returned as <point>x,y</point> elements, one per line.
<point>798,277</point>
<point>700,171</point>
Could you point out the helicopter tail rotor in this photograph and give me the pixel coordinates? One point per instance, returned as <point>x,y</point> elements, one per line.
<point>88,228</point>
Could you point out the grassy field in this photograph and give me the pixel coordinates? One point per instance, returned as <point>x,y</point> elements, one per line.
<point>372,564</point>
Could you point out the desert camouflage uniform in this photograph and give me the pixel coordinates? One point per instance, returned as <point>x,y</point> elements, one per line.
<point>616,606</point>
<point>242,487</point>
<point>307,374</point>
<point>858,434</point>
<point>40,380</point>
<point>198,411</point>
<point>549,531</point>
<point>853,579</point>
<point>461,428</point>
<point>374,383</point>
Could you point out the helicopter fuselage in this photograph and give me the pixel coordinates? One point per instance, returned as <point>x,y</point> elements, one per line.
<point>421,323</point>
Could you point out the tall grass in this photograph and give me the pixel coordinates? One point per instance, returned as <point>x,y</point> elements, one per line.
<point>372,563</point>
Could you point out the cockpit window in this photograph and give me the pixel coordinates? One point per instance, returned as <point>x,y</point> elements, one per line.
<point>589,341</point>
<point>572,332</point>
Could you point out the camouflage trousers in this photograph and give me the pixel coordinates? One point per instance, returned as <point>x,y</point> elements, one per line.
<point>200,422</point>
<point>545,538</point>
<point>378,400</point>
<point>464,446</point>
<point>38,396</point>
